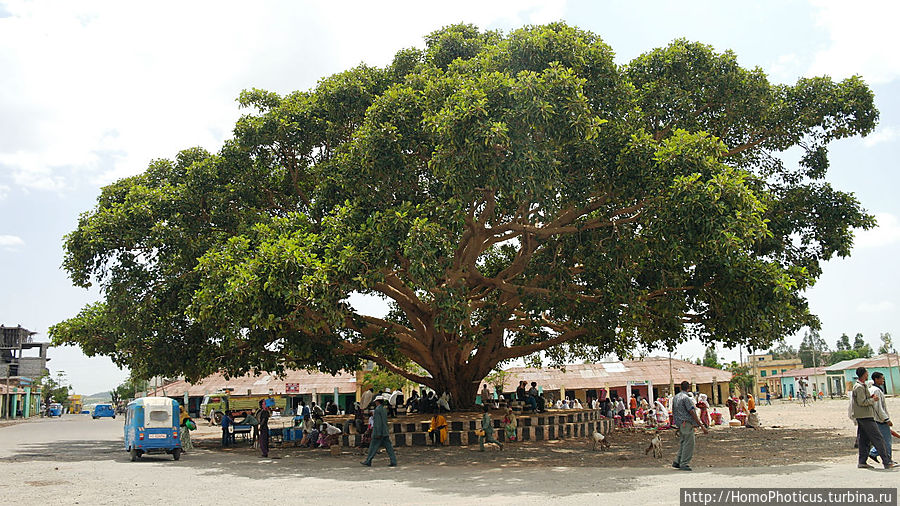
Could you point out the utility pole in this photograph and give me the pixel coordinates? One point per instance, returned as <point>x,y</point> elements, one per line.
<point>891,369</point>
<point>891,372</point>
<point>754,386</point>
<point>671,378</point>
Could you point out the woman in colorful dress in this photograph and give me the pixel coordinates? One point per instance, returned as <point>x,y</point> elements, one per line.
<point>703,405</point>
<point>510,424</point>
<point>662,414</point>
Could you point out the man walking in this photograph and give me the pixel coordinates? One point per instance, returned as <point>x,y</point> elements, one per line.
<point>882,418</point>
<point>263,419</point>
<point>380,436</point>
<point>863,406</point>
<point>685,418</point>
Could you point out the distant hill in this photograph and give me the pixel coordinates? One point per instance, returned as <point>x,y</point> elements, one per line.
<point>97,398</point>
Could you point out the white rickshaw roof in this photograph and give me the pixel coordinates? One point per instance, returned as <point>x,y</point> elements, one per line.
<point>154,402</point>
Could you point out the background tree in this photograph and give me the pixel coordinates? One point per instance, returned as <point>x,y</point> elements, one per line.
<point>127,390</point>
<point>55,389</point>
<point>509,196</point>
<point>382,379</point>
<point>862,349</point>
<point>497,378</point>
<point>710,358</point>
<point>741,377</point>
<point>782,350</point>
<point>841,355</point>
<point>843,343</point>
<point>813,351</point>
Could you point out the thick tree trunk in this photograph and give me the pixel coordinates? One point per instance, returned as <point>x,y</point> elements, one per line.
<point>462,393</point>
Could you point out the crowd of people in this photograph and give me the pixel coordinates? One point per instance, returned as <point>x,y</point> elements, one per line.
<point>683,412</point>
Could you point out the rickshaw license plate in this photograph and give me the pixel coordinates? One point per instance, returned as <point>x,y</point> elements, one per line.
<point>157,436</point>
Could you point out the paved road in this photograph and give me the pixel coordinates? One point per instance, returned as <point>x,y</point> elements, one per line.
<point>77,460</point>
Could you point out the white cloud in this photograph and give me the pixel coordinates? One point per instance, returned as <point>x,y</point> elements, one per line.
<point>85,80</point>
<point>875,307</point>
<point>4,191</point>
<point>885,134</point>
<point>10,242</point>
<point>785,69</point>
<point>864,39</point>
<point>886,233</point>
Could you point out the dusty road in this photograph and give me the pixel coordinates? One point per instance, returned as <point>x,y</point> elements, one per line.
<point>77,460</point>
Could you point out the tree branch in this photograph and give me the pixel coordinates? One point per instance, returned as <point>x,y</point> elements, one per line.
<point>528,349</point>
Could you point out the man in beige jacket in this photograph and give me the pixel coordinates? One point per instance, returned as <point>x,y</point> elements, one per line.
<point>863,405</point>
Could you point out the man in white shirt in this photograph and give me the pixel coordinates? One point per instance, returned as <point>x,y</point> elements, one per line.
<point>367,398</point>
<point>392,401</point>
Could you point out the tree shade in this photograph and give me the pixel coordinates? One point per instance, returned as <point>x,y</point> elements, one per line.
<point>510,195</point>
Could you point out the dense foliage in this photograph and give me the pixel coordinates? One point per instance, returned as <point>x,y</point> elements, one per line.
<point>55,389</point>
<point>509,195</point>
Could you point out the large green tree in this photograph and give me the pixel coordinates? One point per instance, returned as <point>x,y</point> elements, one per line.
<point>510,195</point>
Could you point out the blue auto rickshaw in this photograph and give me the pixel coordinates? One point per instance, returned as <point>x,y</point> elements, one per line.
<point>56,409</point>
<point>151,426</point>
<point>101,410</point>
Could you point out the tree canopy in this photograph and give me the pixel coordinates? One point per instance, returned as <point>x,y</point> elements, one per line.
<point>510,195</point>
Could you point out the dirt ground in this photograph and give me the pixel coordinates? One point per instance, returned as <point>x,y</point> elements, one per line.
<point>77,460</point>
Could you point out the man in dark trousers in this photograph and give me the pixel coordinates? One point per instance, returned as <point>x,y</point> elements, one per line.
<point>380,436</point>
<point>863,407</point>
<point>227,430</point>
<point>263,417</point>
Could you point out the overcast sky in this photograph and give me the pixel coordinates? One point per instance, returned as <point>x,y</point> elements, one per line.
<point>92,91</point>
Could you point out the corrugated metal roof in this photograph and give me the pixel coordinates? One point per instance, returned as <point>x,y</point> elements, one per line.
<point>615,374</point>
<point>886,360</point>
<point>264,382</point>
<point>844,365</point>
<point>794,373</point>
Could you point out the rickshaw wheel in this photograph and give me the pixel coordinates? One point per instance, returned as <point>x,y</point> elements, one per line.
<point>176,453</point>
<point>134,454</point>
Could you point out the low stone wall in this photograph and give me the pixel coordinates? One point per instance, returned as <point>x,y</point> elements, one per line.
<point>561,424</point>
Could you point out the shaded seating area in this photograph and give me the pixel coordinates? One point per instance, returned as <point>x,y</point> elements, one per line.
<point>463,427</point>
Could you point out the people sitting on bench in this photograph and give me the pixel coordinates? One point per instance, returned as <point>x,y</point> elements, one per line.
<point>539,403</point>
<point>437,430</point>
<point>522,395</point>
<point>443,402</point>
<point>412,404</point>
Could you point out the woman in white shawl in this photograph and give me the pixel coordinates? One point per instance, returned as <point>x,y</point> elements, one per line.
<point>662,414</point>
